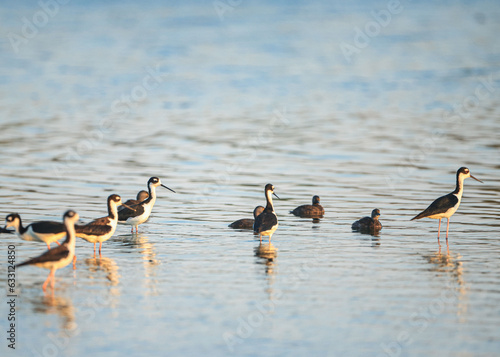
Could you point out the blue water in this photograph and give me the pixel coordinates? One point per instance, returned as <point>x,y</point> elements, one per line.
<point>99,97</point>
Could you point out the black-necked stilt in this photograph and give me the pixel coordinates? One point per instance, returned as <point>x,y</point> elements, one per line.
<point>368,223</point>
<point>58,257</point>
<point>247,223</point>
<point>101,229</point>
<point>310,211</point>
<point>266,223</point>
<point>446,206</point>
<point>139,213</point>
<point>42,231</point>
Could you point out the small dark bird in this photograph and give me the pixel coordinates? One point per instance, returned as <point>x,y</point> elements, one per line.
<point>141,196</point>
<point>445,206</point>
<point>247,223</point>
<point>58,257</point>
<point>310,211</point>
<point>368,223</point>
<point>267,222</point>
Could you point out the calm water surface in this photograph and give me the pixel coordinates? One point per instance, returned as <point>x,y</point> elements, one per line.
<point>104,96</point>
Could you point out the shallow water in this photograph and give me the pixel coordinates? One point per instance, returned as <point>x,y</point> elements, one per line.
<point>105,96</point>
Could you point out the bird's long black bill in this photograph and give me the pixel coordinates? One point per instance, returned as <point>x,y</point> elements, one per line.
<point>130,208</point>
<point>168,188</point>
<point>276,196</point>
<point>476,179</point>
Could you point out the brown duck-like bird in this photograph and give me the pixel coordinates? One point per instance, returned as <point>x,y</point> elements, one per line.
<point>247,223</point>
<point>368,223</point>
<point>310,211</point>
<point>141,196</point>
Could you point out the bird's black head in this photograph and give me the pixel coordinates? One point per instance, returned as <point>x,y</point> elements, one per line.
<point>11,220</point>
<point>115,198</point>
<point>270,188</point>
<point>71,215</point>
<point>464,172</point>
<point>155,181</point>
<point>375,213</point>
<point>316,200</point>
<point>12,217</point>
<point>142,195</point>
<point>257,211</point>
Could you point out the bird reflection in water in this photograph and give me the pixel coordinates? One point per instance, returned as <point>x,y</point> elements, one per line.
<point>267,252</point>
<point>57,305</point>
<point>452,265</point>
<point>371,235</point>
<point>105,264</point>
<point>139,242</point>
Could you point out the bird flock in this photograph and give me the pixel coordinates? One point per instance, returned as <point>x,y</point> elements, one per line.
<point>136,212</point>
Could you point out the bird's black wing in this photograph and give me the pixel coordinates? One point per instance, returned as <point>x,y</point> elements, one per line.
<point>129,203</point>
<point>126,213</point>
<point>48,227</point>
<point>440,205</point>
<point>265,221</point>
<point>91,229</point>
<point>54,254</point>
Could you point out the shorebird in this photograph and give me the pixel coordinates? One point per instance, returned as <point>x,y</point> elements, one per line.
<point>310,211</point>
<point>247,223</point>
<point>101,229</point>
<point>58,257</point>
<point>445,206</point>
<point>42,231</point>
<point>139,213</point>
<point>368,223</point>
<point>267,222</point>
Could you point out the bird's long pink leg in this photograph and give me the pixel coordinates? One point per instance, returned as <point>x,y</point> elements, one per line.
<point>447,227</point>
<point>74,262</point>
<point>58,243</point>
<point>439,227</point>
<point>48,246</point>
<point>53,282</point>
<point>100,245</point>
<point>44,286</point>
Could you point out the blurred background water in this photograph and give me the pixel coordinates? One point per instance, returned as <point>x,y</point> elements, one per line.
<point>367,104</point>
